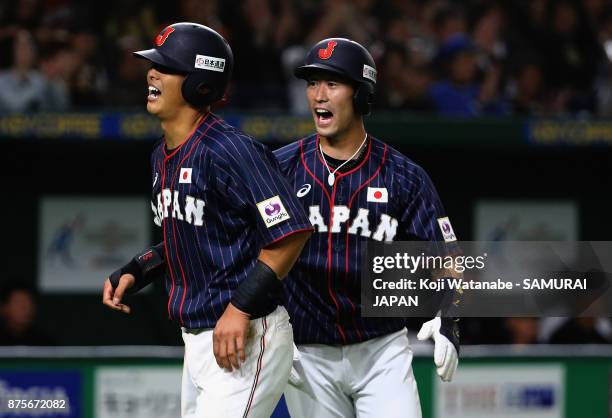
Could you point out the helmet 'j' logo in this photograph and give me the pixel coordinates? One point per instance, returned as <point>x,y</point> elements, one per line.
<point>327,52</point>
<point>161,38</point>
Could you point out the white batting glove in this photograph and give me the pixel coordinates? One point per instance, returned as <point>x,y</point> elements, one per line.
<point>294,377</point>
<point>446,358</point>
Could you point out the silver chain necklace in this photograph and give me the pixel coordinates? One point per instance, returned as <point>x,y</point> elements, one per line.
<point>331,178</point>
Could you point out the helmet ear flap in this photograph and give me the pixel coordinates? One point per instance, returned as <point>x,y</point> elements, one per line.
<point>196,92</point>
<point>363,98</point>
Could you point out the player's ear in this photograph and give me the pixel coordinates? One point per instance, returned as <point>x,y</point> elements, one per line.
<point>203,89</point>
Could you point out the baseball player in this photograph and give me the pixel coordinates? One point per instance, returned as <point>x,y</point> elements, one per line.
<point>232,228</point>
<point>355,188</point>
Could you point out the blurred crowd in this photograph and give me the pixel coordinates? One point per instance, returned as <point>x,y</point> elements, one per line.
<point>457,58</point>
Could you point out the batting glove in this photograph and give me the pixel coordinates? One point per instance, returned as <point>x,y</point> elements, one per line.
<point>446,356</point>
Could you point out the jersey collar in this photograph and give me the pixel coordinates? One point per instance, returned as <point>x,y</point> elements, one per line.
<point>340,175</point>
<point>189,138</point>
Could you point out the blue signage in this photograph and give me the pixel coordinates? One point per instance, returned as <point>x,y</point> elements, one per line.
<point>35,393</point>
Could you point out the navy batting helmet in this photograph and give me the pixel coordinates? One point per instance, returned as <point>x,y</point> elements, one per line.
<point>348,59</point>
<point>201,54</point>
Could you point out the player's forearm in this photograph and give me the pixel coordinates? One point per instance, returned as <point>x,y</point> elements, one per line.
<point>146,267</point>
<point>451,298</point>
<point>274,262</point>
<point>282,255</point>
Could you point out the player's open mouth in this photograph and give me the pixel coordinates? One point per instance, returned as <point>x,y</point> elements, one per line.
<point>154,93</point>
<point>324,116</point>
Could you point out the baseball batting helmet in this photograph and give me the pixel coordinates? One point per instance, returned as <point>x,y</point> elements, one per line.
<point>348,59</point>
<point>201,54</point>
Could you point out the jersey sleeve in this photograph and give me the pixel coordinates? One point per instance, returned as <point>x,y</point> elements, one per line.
<point>252,180</point>
<point>424,217</point>
<point>287,158</point>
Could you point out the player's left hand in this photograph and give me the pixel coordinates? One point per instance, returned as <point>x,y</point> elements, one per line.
<point>229,338</point>
<point>446,357</point>
<point>113,297</point>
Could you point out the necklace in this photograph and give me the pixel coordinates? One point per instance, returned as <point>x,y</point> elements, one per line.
<point>331,178</point>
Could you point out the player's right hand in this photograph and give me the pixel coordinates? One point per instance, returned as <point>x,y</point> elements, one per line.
<point>112,297</point>
<point>229,338</point>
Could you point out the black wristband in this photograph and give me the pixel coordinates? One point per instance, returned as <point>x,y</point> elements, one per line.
<point>146,267</point>
<point>254,295</point>
<point>449,327</point>
<point>129,268</point>
<point>450,300</point>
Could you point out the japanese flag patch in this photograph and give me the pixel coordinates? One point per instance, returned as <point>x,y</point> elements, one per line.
<point>185,175</point>
<point>272,211</point>
<point>378,194</point>
<point>447,230</point>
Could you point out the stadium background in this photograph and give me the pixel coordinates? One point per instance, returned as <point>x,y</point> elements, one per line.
<point>520,151</point>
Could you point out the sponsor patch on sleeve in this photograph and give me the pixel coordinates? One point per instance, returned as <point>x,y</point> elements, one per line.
<point>204,62</point>
<point>447,229</point>
<point>272,211</point>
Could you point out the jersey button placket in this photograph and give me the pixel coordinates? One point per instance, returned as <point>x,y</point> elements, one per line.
<point>339,192</point>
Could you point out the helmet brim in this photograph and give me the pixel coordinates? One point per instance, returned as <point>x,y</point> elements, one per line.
<point>305,71</point>
<point>156,57</point>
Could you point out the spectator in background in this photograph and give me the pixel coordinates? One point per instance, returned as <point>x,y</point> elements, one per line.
<point>22,87</point>
<point>572,54</point>
<point>487,33</point>
<point>128,88</point>
<point>597,11</point>
<point>90,80</point>
<point>403,84</point>
<point>604,82</point>
<point>17,317</point>
<point>447,21</point>
<point>526,88</point>
<point>260,33</point>
<point>582,330</point>
<point>16,16</point>
<point>58,66</point>
<point>521,331</point>
<point>459,92</point>
<point>204,12</point>
<point>355,20</point>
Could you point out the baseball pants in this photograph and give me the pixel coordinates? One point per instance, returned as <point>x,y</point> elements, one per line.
<point>369,379</point>
<point>253,391</point>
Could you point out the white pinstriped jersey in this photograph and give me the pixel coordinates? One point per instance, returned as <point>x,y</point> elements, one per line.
<point>220,198</point>
<point>386,197</point>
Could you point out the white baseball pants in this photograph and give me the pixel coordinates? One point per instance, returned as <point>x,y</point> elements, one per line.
<point>253,391</point>
<point>369,379</point>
